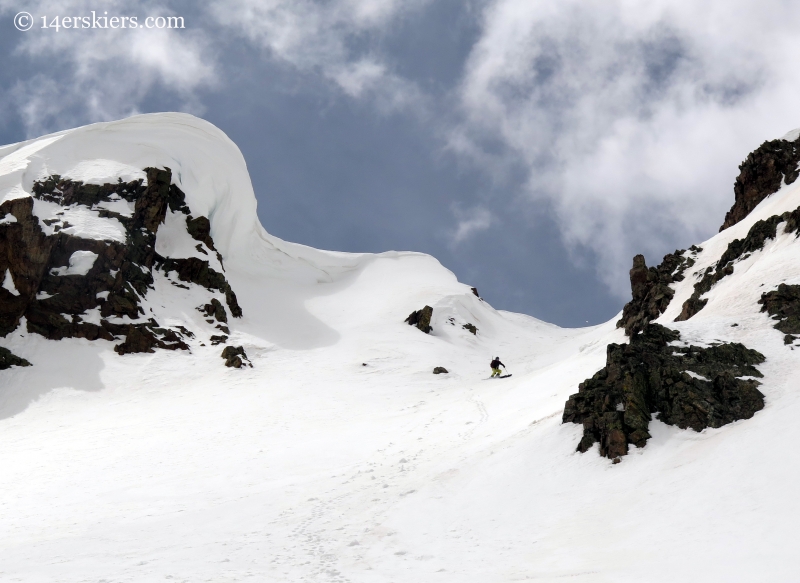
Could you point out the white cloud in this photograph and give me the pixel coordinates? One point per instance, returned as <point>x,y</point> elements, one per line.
<point>469,223</point>
<point>93,75</point>
<point>629,118</point>
<point>329,39</point>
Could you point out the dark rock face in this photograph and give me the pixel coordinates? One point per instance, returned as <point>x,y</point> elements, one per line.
<point>471,328</point>
<point>421,319</point>
<point>737,249</point>
<point>783,304</point>
<point>649,376</point>
<point>650,289</point>
<point>55,303</point>
<point>200,230</point>
<point>761,174</point>
<point>440,370</point>
<point>8,359</point>
<point>235,357</point>
<point>475,291</point>
<point>194,270</point>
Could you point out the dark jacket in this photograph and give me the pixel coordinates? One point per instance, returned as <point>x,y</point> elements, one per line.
<point>497,364</point>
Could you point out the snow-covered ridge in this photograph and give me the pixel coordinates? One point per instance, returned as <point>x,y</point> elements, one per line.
<point>205,163</point>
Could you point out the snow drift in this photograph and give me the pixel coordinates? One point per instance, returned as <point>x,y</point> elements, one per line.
<point>131,452</point>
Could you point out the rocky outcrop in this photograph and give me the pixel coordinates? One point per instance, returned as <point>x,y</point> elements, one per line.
<point>440,370</point>
<point>9,359</point>
<point>103,299</point>
<point>235,357</point>
<point>783,305</point>
<point>737,249</point>
<point>687,386</point>
<point>762,173</point>
<point>200,230</point>
<point>215,310</point>
<point>471,328</point>
<point>421,319</point>
<point>650,289</point>
<point>198,271</point>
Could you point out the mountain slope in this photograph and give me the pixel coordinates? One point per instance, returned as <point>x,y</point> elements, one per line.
<point>339,456</point>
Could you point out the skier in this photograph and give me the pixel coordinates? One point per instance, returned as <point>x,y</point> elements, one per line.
<point>496,364</point>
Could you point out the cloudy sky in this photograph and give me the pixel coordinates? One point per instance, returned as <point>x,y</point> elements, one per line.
<point>533,147</point>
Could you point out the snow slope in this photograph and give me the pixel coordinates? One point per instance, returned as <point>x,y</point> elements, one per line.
<point>339,456</point>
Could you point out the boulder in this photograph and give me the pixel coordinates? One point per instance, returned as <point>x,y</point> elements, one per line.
<point>421,319</point>
<point>8,359</point>
<point>783,305</point>
<point>440,370</point>
<point>235,357</point>
<point>216,310</point>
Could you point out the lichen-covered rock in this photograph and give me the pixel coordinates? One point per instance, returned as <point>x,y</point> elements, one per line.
<point>688,386</point>
<point>783,305</point>
<point>650,289</point>
<point>9,359</point>
<point>760,175</point>
<point>421,319</point>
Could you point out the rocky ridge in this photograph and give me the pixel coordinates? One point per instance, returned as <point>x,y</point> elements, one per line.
<point>64,285</point>
<point>738,249</point>
<point>689,386</point>
<point>762,173</point>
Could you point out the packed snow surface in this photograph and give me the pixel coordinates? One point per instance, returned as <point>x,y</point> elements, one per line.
<point>339,456</point>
